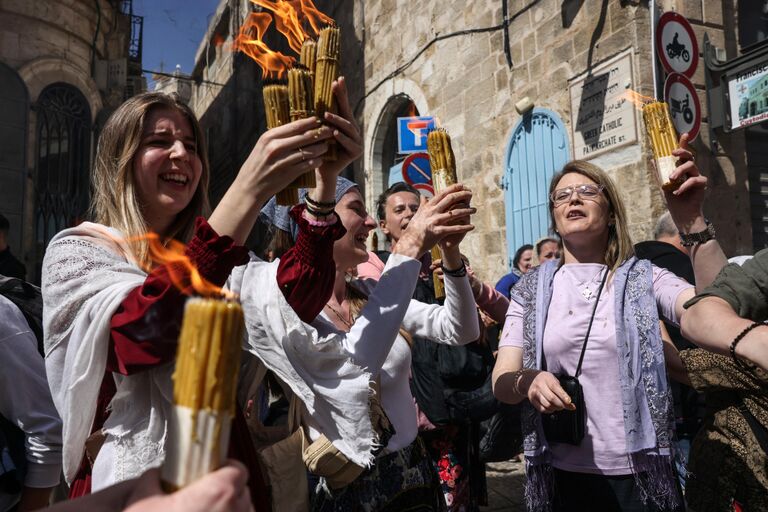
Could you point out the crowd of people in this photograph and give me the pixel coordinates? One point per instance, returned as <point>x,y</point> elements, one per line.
<point>631,377</point>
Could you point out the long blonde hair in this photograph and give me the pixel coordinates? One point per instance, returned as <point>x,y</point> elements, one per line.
<point>620,247</point>
<point>114,200</point>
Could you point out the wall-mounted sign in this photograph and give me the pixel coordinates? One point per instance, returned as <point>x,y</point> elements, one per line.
<point>748,96</point>
<point>676,44</point>
<point>602,118</point>
<point>412,133</point>
<point>683,101</point>
<point>416,169</point>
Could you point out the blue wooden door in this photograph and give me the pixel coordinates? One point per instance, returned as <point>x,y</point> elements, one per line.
<point>537,149</point>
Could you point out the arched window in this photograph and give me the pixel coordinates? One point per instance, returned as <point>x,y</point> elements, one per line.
<point>62,163</point>
<point>537,149</point>
<point>63,159</point>
<point>13,151</point>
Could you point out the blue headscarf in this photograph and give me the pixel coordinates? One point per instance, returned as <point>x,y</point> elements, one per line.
<point>278,216</point>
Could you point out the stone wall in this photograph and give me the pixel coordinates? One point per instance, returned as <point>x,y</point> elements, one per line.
<point>466,82</point>
<point>50,42</point>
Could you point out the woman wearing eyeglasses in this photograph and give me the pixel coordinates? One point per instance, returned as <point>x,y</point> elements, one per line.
<point>600,301</point>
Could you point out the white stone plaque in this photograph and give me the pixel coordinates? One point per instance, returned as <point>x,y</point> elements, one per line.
<point>602,117</point>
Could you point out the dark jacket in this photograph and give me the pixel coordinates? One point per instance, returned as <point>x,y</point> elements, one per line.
<point>10,266</point>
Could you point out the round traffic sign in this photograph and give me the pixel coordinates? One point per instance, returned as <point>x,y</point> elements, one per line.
<point>425,189</point>
<point>676,44</point>
<point>416,169</point>
<point>684,106</point>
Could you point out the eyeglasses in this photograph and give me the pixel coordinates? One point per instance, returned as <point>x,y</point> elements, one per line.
<point>585,191</point>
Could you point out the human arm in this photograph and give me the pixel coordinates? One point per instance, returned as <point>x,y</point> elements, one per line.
<point>223,490</point>
<point>512,383</point>
<point>305,276</point>
<point>25,401</point>
<point>490,300</point>
<point>686,207</point>
<point>712,324</point>
<point>737,298</point>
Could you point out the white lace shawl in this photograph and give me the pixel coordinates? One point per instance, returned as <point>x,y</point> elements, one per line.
<point>88,271</point>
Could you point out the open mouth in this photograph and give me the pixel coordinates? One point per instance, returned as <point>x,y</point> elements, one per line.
<point>575,214</point>
<point>361,238</point>
<point>175,177</point>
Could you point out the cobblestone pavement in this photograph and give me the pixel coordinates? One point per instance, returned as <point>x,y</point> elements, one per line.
<point>505,486</point>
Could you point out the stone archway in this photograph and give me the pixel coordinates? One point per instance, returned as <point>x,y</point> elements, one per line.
<point>382,108</point>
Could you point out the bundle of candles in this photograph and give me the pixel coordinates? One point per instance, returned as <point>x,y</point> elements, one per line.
<point>661,131</point>
<point>443,164</point>
<point>308,92</point>
<point>205,381</point>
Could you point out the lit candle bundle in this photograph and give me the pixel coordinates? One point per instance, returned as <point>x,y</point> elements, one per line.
<point>308,56</point>
<point>300,92</point>
<point>443,164</point>
<point>326,71</point>
<point>205,381</point>
<point>276,104</point>
<point>661,131</point>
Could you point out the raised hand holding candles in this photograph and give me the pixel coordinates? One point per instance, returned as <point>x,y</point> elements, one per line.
<point>661,131</point>
<point>443,164</point>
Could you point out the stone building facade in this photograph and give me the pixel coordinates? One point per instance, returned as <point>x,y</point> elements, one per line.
<point>64,66</point>
<point>439,57</point>
<point>572,60</point>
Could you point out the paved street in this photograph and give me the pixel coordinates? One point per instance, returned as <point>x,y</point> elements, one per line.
<point>505,487</point>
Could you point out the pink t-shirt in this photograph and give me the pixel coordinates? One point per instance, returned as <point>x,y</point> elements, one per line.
<point>603,449</point>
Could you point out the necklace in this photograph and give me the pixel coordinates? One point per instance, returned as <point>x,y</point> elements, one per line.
<point>339,315</point>
<point>587,290</point>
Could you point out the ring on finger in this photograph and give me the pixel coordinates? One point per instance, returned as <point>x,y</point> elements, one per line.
<point>301,152</point>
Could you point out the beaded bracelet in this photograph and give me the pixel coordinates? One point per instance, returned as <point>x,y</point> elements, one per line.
<point>318,213</point>
<point>736,341</point>
<point>319,204</point>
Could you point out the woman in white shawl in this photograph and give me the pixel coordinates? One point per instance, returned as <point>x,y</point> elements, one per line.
<point>375,321</point>
<point>110,311</point>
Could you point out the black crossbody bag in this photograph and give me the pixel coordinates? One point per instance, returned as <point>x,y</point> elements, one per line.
<point>567,426</point>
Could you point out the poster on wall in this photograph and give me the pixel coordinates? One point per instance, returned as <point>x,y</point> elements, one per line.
<point>748,97</point>
<point>602,117</point>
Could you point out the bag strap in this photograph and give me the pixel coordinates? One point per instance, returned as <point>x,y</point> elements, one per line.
<point>591,319</point>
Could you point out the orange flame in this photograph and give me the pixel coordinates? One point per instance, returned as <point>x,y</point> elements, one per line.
<point>637,99</point>
<point>250,41</point>
<point>315,18</point>
<point>182,272</point>
<point>286,22</point>
<point>289,18</point>
<point>218,40</point>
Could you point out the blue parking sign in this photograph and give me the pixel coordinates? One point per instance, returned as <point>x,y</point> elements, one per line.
<point>412,133</point>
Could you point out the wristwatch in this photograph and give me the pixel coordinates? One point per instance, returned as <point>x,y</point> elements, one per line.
<point>691,239</point>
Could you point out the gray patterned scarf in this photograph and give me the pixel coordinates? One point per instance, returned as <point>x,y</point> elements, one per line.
<point>646,400</point>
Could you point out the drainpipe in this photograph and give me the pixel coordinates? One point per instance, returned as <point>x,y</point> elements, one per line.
<point>652,10</point>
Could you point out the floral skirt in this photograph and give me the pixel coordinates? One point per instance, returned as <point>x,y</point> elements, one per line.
<point>403,481</point>
<point>454,450</point>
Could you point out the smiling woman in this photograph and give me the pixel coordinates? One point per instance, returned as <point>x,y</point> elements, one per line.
<point>113,314</point>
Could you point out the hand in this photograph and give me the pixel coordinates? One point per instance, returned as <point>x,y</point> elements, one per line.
<point>686,203</point>
<point>345,131</point>
<point>546,394</point>
<point>281,155</point>
<point>223,490</point>
<point>436,219</point>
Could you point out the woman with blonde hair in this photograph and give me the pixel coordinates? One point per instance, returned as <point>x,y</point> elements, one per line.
<point>590,323</point>
<point>112,315</point>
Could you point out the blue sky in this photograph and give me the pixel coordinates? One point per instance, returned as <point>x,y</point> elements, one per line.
<point>173,30</point>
